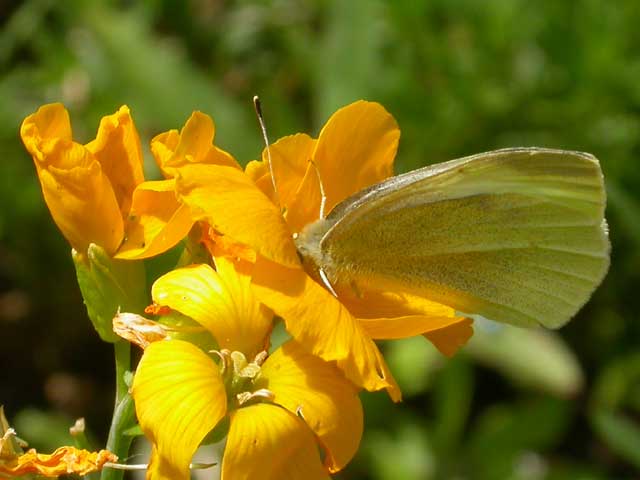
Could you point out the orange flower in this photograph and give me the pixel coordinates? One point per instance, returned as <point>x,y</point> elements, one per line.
<point>88,188</point>
<point>158,219</point>
<point>96,192</point>
<point>355,149</point>
<point>281,408</point>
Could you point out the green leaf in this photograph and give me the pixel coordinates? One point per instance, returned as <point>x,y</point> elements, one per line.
<point>620,434</point>
<point>108,286</point>
<point>537,359</point>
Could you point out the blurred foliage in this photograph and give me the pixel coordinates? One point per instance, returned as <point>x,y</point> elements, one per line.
<point>461,77</point>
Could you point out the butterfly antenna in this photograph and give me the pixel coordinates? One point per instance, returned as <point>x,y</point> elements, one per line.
<point>323,199</point>
<point>258,107</point>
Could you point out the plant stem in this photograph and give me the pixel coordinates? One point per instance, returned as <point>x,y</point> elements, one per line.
<point>123,413</point>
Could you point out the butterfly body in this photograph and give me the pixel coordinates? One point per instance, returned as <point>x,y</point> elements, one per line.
<point>516,235</point>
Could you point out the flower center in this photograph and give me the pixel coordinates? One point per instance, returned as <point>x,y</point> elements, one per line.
<point>240,376</point>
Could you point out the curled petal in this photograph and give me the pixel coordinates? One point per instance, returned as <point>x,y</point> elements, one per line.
<point>356,149</point>
<point>269,443</point>
<point>64,461</point>
<point>329,404</point>
<point>117,148</point>
<point>222,302</point>
<point>231,203</point>
<point>194,144</point>
<point>138,330</point>
<point>157,221</point>
<point>324,326</point>
<point>179,397</point>
<point>77,191</point>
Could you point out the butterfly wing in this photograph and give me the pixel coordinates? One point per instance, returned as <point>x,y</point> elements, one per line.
<point>515,235</point>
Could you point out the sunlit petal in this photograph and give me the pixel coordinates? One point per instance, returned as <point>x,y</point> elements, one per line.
<point>267,442</point>
<point>157,221</point>
<point>117,148</point>
<point>451,338</point>
<point>391,315</point>
<point>179,398</point>
<point>356,149</point>
<point>194,144</point>
<point>76,190</point>
<point>322,324</point>
<point>231,203</point>
<point>318,391</point>
<point>223,302</point>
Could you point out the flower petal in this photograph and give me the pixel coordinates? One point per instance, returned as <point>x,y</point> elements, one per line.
<point>269,443</point>
<point>329,404</point>
<point>322,324</point>
<point>76,190</point>
<point>222,302</point>
<point>404,315</point>
<point>179,398</point>
<point>157,221</point>
<point>194,144</point>
<point>64,461</point>
<point>356,149</point>
<point>117,148</point>
<point>232,204</point>
<point>451,338</point>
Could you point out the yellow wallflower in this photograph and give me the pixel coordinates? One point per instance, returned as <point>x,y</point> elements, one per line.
<point>355,149</point>
<point>88,188</point>
<point>96,192</point>
<point>158,219</point>
<point>281,409</point>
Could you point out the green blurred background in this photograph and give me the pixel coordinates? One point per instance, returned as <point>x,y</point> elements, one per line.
<point>461,77</point>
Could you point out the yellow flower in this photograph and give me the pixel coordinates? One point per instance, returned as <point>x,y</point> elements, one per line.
<point>96,192</point>
<point>355,149</point>
<point>280,410</point>
<point>158,219</point>
<point>88,188</point>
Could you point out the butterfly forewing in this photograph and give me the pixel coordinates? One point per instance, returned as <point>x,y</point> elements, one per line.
<point>515,235</point>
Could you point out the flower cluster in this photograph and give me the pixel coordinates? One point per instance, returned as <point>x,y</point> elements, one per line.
<point>209,368</point>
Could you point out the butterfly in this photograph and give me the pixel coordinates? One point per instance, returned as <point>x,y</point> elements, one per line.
<point>515,235</point>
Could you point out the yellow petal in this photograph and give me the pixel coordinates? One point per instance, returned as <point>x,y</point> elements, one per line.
<point>64,461</point>
<point>117,148</point>
<point>179,398</point>
<point>258,172</point>
<point>290,157</point>
<point>76,190</point>
<point>375,304</point>
<point>450,338</point>
<point>322,324</point>
<point>194,145</point>
<point>356,148</point>
<point>222,302</point>
<point>305,204</point>
<point>157,221</point>
<point>391,315</point>
<point>231,203</point>
<point>316,390</point>
<point>49,122</point>
<point>267,442</point>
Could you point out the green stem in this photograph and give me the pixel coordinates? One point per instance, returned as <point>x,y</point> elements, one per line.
<point>123,413</point>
